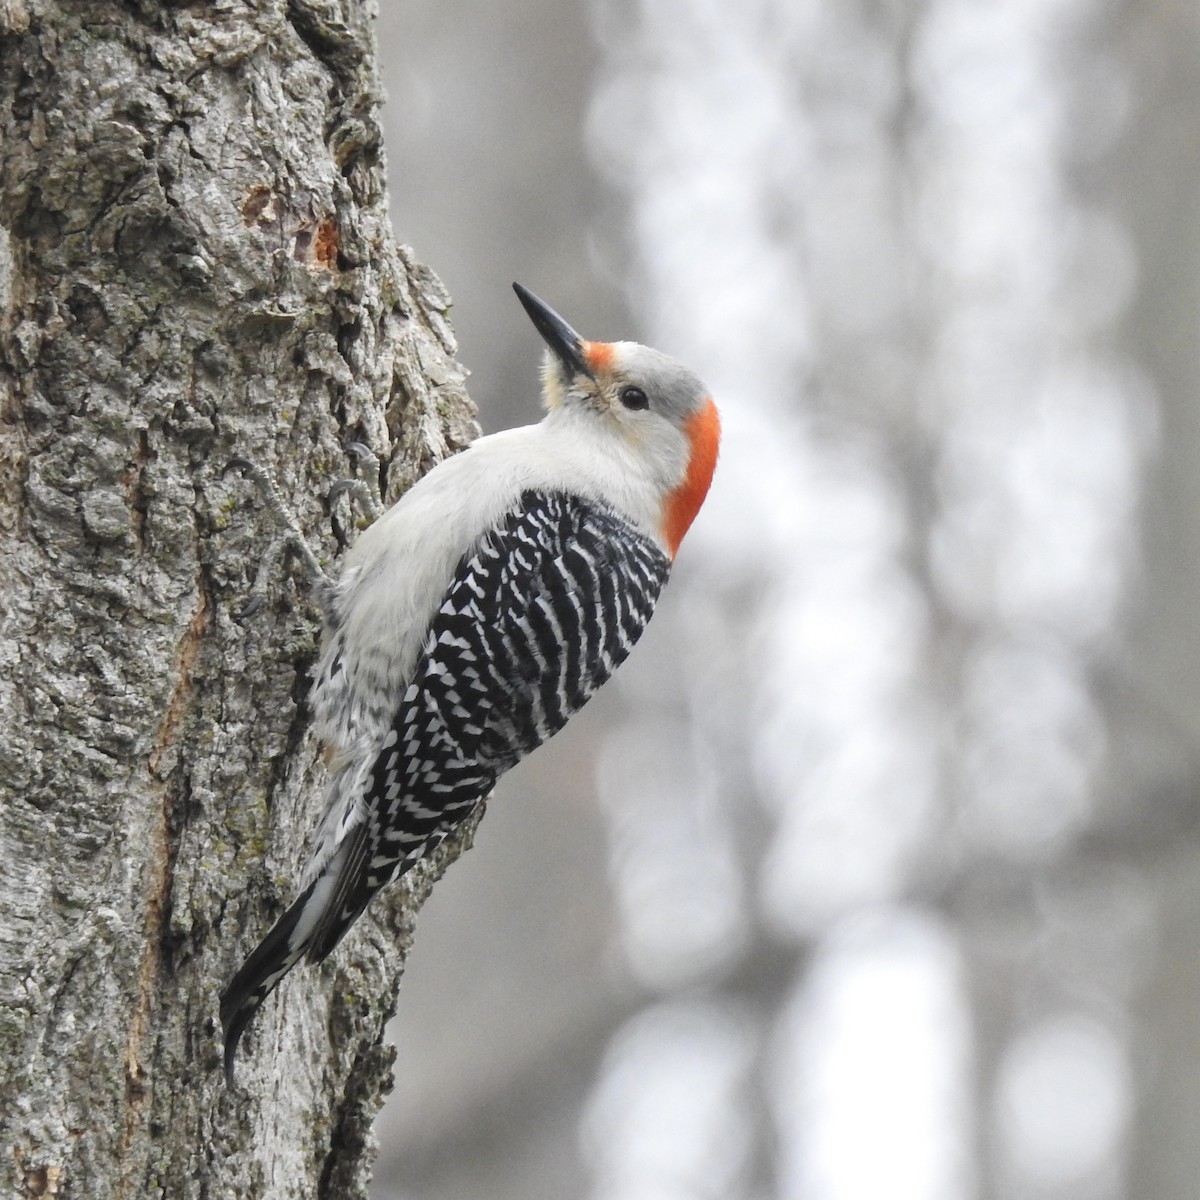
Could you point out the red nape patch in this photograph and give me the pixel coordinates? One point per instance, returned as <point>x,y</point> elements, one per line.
<point>703,429</point>
<point>598,355</point>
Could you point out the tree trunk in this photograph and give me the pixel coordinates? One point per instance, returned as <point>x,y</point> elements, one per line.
<point>195,265</point>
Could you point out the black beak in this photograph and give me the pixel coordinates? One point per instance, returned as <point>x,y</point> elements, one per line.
<point>557,334</point>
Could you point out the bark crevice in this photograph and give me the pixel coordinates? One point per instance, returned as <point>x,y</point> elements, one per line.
<point>195,265</point>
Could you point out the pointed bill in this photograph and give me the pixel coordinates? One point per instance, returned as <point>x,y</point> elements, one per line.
<point>566,344</point>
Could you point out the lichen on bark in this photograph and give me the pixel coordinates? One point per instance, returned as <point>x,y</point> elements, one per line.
<point>195,265</point>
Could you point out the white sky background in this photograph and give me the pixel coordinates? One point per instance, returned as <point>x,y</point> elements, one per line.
<point>876,275</point>
<point>872,696</point>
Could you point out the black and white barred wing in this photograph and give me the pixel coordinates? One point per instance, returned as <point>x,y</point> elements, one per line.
<point>537,618</point>
<point>531,657</point>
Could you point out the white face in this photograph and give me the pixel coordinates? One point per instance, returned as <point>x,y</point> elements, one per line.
<point>627,379</point>
<point>637,393</point>
<point>621,378</point>
<point>653,406</point>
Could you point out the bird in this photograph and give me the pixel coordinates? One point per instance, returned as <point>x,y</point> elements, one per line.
<point>478,613</point>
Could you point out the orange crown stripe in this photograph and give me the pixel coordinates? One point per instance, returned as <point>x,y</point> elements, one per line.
<point>703,430</point>
<point>598,355</point>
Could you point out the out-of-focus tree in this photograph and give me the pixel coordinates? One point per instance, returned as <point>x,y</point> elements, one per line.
<point>902,816</point>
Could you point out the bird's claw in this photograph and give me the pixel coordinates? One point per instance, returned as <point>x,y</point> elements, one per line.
<point>245,611</point>
<point>359,489</point>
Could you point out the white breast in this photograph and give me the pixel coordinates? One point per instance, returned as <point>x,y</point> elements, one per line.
<point>397,573</point>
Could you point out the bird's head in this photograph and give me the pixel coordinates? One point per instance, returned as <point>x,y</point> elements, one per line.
<point>655,405</point>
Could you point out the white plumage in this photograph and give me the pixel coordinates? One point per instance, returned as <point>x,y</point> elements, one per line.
<point>478,613</point>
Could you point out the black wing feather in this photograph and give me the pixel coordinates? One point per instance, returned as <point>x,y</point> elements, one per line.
<point>538,617</point>
<point>539,614</point>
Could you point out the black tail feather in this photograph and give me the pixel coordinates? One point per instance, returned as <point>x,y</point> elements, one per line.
<point>351,894</point>
<point>258,977</point>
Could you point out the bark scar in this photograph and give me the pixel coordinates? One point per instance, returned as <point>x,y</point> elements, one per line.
<point>181,694</point>
<point>158,883</point>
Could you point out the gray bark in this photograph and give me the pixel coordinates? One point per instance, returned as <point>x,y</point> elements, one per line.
<point>195,264</point>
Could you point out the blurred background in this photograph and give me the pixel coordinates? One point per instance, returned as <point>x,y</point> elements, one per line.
<point>876,871</point>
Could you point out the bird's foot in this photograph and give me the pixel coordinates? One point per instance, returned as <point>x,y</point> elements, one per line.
<point>367,496</point>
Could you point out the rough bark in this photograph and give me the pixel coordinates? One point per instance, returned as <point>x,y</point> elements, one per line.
<point>195,264</point>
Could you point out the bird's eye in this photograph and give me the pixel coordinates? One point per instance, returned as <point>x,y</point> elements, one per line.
<point>634,398</point>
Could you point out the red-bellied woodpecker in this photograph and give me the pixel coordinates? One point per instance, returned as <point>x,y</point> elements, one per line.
<point>480,612</point>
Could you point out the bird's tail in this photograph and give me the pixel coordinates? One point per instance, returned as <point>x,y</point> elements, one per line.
<point>261,973</point>
<point>312,926</point>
